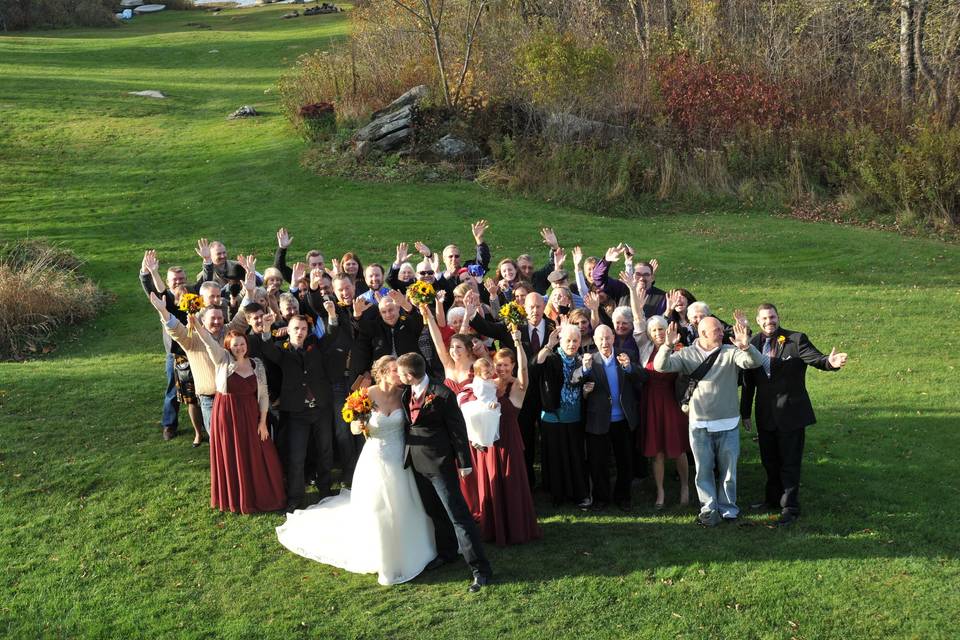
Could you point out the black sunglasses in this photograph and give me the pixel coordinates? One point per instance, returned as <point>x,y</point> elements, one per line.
<point>425,273</point>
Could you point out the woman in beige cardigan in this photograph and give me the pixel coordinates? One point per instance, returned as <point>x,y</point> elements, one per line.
<point>245,470</point>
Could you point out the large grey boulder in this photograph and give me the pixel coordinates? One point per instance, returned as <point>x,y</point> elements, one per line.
<point>454,149</point>
<point>561,127</point>
<point>391,128</point>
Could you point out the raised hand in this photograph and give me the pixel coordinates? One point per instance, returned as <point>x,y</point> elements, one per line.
<point>654,265</point>
<point>577,256</point>
<point>628,250</point>
<point>673,334</point>
<point>402,254</point>
<point>739,316</point>
<point>587,360</point>
<point>554,338</point>
<point>515,336</point>
<point>268,319</point>
<point>283,238</point>
<point>442,296</point>
<point>837,360</point>
<point>592,301</point>
<point>150,262</point>
<point>203,249</point>
<point>641,294</point>
<point>624,360</point>
<point>336,267</point>
<point>612,254</point>
<point>479,228</point>
<point>192,322</point>
<point>673,300</point>
<point>359,306</point>
<point>491,287</point>
<point>330,308</point>
<point>559,257</point>
<point>741,337</point>
<point>549,237</point>
<point>297,273</point>
<point>158,303</point>
<point>422,249</point>
<point>316,278</point>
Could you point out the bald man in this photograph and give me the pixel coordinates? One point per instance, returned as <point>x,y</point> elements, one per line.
<point>395,330</point>
<point>714,410</point>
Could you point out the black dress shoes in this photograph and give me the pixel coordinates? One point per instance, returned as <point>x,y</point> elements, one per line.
<point>763,506</point>
<point>786,519</point>
<point>479,582</point>
<point>436,563</point>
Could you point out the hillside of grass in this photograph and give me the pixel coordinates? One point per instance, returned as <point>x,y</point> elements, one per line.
<point>107,530</point>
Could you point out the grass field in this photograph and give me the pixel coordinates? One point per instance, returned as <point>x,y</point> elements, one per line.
<point>107,530</point>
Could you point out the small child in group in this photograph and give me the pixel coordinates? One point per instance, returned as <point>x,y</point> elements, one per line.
<point>479,404</point>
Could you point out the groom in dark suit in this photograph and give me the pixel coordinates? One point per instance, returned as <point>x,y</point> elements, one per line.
<point>436,438</point>
<point>783,408</point>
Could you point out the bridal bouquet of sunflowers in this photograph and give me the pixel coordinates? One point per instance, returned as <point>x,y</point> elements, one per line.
<point>358,407</point>
<point>192,304</point>
<point>421,292</point>
<point>514,315</point>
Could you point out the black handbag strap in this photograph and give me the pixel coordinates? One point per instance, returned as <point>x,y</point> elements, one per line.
<point>700,372</point>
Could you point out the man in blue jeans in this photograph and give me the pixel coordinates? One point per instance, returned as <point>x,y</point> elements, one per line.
<point>714,410</point>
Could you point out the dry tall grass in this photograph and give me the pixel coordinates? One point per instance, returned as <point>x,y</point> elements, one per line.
<point>40,291</point>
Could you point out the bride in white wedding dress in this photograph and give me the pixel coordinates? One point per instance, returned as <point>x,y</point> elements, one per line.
<point>380,526</point>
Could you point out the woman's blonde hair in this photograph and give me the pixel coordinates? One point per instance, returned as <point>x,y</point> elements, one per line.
<point>381,366</point>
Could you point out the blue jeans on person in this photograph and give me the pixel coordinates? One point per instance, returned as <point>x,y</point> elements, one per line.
<point>206,408</point>
<point>716,451</point>
<point>171,407</point>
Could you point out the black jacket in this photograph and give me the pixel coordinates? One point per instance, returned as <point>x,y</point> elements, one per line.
<point>439,435</point>
<point>303,369</point>
<point>782,402</point>
<point>599,403</point>
<point>375,339</point>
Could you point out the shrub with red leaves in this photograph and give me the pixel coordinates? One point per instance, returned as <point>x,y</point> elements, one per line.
<point>716,99</point>
<point>316,111</point>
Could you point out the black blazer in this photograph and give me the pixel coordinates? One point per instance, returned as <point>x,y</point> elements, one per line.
<point>550,381</point>
<point>598,405</point>
<point>499,331</point>
<point>782,402</point>
<point>302,369</point>
<point>439,435</point>
<point>374,340</point>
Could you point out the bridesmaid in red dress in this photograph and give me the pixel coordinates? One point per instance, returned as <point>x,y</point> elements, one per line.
<point>507,515</point>
<point>245,471</point>
<point>664,433</point>
<point>457,361</point>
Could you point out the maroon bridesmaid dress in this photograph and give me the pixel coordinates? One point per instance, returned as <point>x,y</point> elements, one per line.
<point>665,425</point>
<point>468,485</point>
<point>245,472</point>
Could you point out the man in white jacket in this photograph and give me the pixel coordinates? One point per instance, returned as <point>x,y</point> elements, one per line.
<point>714,411</point>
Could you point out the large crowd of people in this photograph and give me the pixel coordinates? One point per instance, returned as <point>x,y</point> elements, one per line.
<point>517,376</point>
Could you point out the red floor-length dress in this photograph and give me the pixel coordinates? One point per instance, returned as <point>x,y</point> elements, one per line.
<point>665,429</point>
<point>245,472</point>
<point>468,485</point>
<point>506,514</point>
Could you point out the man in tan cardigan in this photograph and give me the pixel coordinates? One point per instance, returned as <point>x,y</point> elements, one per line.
<point>714,411</point>
<point>202,367</point>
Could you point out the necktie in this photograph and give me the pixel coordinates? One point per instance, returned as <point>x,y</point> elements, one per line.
<point>393,342</point>
<point>534,341</point>
<point>765,356</point>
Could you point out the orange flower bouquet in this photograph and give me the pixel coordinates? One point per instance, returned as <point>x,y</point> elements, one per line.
<point>358,407</point>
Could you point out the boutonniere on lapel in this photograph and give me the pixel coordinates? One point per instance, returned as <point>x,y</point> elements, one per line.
<point>286,345</point>
<point>341,303</point>
<point>310,347</point>
<point>427,399</point>
<point>781,340</point>
<point>402,317</point>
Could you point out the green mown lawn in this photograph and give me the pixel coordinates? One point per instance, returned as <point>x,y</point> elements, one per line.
<point>107,530</point>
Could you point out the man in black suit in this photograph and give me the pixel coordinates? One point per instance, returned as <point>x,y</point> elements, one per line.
<point>393,328</point>
<point>306,397</point>
<point>783,408</point>
<point>532,338</point>
<point>611,387</point>
<point>436,444</point>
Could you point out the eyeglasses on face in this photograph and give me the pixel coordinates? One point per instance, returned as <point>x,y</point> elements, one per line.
<point>425,273</point>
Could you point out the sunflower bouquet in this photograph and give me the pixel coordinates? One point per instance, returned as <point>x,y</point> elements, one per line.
<point>191,304</point>
<point>514,315</point>
<point>421,292</point>
<point>358,407</point>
